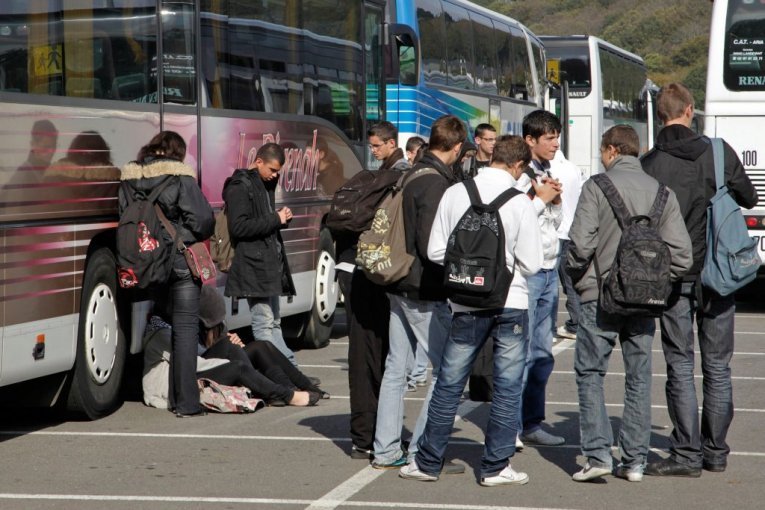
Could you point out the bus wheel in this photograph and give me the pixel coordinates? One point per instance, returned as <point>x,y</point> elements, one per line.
<point>322,315</point>
<point>101,345</point>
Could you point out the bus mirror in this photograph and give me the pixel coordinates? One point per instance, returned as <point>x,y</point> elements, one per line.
<point>405,55</point>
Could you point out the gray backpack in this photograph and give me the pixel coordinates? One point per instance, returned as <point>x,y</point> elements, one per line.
<point>638,283</point>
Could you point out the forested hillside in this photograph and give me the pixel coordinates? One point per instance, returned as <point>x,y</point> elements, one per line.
<point>670,36</point>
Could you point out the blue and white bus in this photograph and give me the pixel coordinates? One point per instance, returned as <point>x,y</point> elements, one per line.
<point>475,63</point>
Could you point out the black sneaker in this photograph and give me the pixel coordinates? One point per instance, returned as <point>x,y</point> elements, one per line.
<point>361,453</point>
<point>669,467</point>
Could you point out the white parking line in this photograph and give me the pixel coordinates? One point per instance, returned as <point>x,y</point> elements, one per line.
<point>255,501</point>
<point>347,489</point>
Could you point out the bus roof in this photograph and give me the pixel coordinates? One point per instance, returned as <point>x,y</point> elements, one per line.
<point>575,40</point>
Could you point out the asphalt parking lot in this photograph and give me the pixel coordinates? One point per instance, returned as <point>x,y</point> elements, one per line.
<point>290,458</point>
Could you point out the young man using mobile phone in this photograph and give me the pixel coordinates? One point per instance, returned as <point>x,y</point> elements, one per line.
<point>260,271</point>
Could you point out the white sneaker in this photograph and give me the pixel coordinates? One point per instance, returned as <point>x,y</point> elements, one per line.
<point>562,332</point>
<point>632,474</point>
<point>412,472</point>
<point>518,443</point>
<point>507,476</point>
<point>589,472</point>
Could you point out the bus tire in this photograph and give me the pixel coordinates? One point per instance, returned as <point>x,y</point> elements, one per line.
<point>322,315</point>
<point>101,345</point>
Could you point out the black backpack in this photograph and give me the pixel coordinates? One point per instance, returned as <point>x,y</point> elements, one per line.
<point>144,251</point>
<point>354,204</point>
<point>638,283</point>
<point>475,268</point>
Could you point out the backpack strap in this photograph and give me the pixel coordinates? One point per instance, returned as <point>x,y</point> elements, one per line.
<point>413,174</point>
<point>151,197</point>
<point>657,209</point>
<point>718,152</point>
<point>499,201</point>
<point>614,199</point>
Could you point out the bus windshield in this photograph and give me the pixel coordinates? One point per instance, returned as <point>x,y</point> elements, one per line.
<point>574,67</point>
<point>744,68</point>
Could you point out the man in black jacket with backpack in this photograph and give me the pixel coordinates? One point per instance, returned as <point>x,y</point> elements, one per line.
<point>683,161</point>
<point>419,314</point>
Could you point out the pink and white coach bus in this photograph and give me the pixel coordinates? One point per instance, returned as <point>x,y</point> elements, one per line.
<point>79,95</point>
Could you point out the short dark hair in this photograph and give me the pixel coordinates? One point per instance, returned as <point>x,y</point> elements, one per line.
<point>672,100</point>
<point>446,132</point>
<point>384,130</point>
<point>480,129</point>
<point>165,144</point>
<point>511,149</point>
<point>271,152</point>
<point>623,138</point>
<point>414,143</point>
<point>539,123</point>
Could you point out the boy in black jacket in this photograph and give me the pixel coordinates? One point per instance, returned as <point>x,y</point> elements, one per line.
<point>260,271</point>
<point>683,161</point>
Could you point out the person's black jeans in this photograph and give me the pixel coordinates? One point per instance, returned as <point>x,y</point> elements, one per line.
<point>269,361</point>
<point>240,372</point>
<point>184,293</point>
<point>368,314</point>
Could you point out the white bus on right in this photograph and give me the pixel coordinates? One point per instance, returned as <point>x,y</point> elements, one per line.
<point>735,97</point>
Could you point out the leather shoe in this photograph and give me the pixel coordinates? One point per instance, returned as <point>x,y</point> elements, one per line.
<point>669,467</point>
<point>715,467</point>
<point>452,468</point>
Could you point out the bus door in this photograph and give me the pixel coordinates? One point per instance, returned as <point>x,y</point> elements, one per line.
<point>374,98</point>
<point>177,77</point>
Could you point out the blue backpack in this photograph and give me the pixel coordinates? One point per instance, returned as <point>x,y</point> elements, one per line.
<point>731,260</point>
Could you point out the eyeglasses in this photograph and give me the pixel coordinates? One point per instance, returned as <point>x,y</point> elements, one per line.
<point>490,140</point>
<point>374,146</point>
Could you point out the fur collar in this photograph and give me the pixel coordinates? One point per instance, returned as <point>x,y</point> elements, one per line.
<point>156,168</point>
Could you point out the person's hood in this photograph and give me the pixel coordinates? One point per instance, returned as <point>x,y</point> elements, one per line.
<point>148,169</point>
<point>681,142</point>
<point>429,160</point>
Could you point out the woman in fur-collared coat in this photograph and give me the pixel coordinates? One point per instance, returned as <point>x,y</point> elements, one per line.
<point>187,209</point>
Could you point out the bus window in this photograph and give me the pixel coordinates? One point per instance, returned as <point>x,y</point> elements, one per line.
<point>539,64</point>
<point>485,54</point>
<point>744,64</point>
<point>522,84</point>
<point>334,36</point>
<point>430,18</point>
<point>178,63</point>
<point>504,58</point>
<point>373,64</point>
<point>102,52</point>
<point>459,47</point>
<point>574,66</point>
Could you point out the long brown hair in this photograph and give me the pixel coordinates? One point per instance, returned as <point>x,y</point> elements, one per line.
<point>165,144</point>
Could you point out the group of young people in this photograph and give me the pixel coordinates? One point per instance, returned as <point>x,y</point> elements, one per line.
<point>557,229</point>
<point>186,337</point>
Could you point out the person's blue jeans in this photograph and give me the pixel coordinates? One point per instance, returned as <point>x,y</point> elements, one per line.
<point>572,297</point>
<point>413,323</point>
<point>595,340</point>
<point>691,444</point>
<point>419,372</point>
<point>543,305</point>
<point>267,324</point>
<point>469,331</point>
